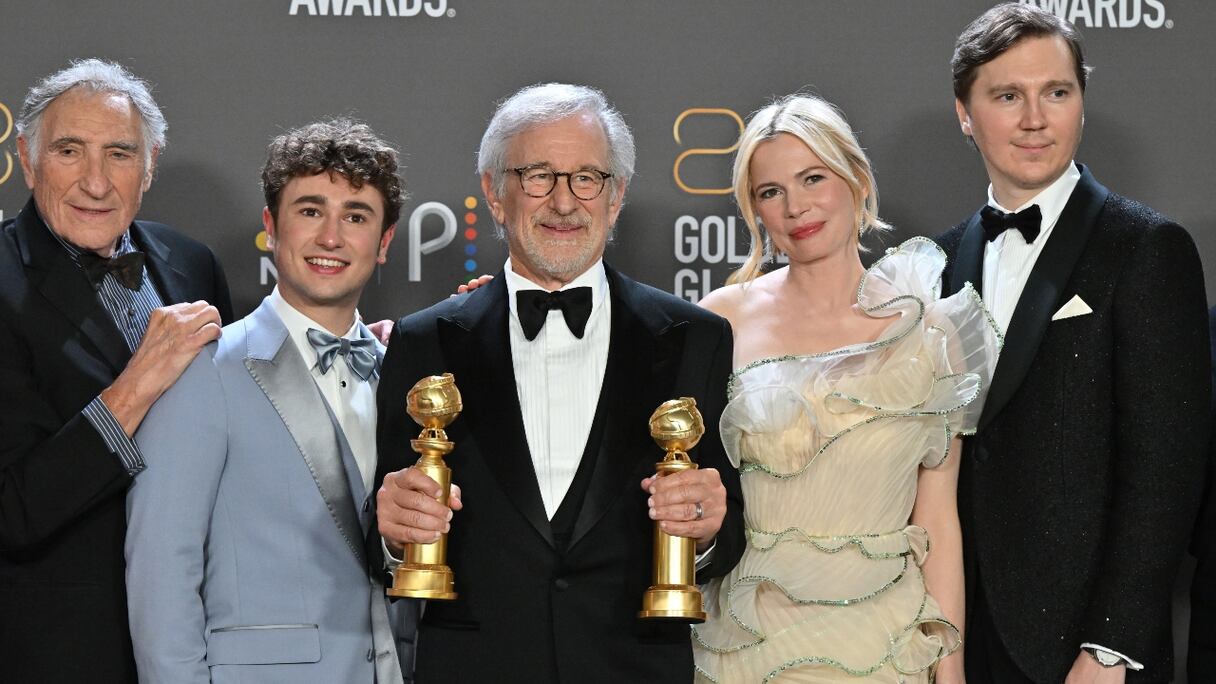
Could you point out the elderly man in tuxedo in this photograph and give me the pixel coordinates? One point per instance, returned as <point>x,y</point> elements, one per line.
<point>245,553</point>
<point>560,361</point>
<point>1077,492</point>
<point>99,314</point>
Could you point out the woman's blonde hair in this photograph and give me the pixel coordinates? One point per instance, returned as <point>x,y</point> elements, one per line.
<point>822,127</point>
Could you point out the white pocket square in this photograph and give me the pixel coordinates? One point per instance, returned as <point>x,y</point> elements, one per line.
<point>1075,307</point>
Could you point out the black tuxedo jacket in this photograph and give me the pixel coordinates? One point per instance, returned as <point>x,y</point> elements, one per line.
<point>63,608</point>
<point>1201,655</point>
<point>1077,493</point>
<point>531,608</point>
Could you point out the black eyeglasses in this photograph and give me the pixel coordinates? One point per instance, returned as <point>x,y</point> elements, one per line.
<point>539,181</point>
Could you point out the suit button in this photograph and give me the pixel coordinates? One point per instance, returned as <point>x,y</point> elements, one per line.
<point>371,654</point>
<point>560,584</point>
<point>981,453</point>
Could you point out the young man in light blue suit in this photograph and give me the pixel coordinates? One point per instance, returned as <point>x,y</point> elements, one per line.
<point>246,547</point>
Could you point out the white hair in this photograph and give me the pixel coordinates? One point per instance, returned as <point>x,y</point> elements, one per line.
<point>97,76</point>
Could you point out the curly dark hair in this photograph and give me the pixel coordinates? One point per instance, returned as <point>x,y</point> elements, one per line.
<point>343,146</point>
<point>999,29</point>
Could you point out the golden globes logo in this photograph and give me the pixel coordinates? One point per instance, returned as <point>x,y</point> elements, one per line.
<point>6,129</point>
<point>704,151</point>
<point>703,244</point>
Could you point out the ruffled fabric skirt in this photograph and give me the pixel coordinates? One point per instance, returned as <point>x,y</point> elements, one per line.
<point>825,609</point>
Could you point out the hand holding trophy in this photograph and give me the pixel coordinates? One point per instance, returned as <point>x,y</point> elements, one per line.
<point>433,402</point>
<point>676,426</point>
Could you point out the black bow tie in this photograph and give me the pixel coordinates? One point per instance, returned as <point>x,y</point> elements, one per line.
<point>127,268</point>
<point>534,305</point>
<point>1025,221</point>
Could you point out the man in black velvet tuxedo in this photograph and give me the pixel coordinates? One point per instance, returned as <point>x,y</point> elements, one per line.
<point>560,361</point>
<point>1201,654</point>
<point>1077,493</point>
<point>87,344</point>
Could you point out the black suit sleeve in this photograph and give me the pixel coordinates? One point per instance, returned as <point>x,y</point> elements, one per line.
<point>1162,394</point>
<point>728,546</point>
<point>52,467</point>
<point>1201,654</point>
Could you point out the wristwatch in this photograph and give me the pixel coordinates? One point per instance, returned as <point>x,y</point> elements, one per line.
<point>1104,658</point>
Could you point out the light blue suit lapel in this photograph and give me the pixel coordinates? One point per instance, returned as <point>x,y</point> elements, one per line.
<point>276,366</point>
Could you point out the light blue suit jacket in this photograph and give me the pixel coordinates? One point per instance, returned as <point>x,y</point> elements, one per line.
<point>245,543</point>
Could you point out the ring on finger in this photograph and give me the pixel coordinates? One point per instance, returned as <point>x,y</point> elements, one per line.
<point>700,512</point>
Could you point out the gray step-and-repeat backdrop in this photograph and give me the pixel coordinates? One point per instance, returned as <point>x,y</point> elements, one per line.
<point>230,74</point>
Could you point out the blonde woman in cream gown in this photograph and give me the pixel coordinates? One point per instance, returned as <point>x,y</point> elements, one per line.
<point>852,387</point>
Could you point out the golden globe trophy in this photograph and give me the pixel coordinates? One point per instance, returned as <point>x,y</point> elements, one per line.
<point>433,402</point>
<point>677,427</point>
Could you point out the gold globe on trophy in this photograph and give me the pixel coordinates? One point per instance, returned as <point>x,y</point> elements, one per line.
<point>677,427</point>
<point>433,402</point>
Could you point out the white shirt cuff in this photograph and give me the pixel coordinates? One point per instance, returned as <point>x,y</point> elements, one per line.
<point>390,561</point>
<point>703,559</point>
<point>1131,664</point>
<point>114,436</point>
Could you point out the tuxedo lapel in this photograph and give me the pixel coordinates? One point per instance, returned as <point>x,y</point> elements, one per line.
<point>170,282</point>
<point>66,288</point>
<point>643,355</point>
<point>477,350</point>
<point>276,366</point>
<point>1044,291</point>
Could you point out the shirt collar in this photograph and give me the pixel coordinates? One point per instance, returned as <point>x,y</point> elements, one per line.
<point>594,277</point>
<point>125,244</point>
<point>297,325</point>
<point>1051,199</point>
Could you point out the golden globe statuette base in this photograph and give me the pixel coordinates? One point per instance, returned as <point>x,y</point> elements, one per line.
<point>676,426</point>
<point>433,402</point>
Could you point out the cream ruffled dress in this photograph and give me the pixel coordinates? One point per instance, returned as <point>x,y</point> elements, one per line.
<point>829,447</point>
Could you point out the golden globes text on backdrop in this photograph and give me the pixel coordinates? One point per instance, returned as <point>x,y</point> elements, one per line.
<point>433,402</point>
<point>676,426</point>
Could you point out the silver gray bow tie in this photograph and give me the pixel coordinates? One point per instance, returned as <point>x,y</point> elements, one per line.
<point>360,354</point>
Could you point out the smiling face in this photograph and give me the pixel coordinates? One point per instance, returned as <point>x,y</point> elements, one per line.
<point>1025,112</point>
<point>807,209</point>
<point>554,239</point>
<point>326,241</point>
<point>90,176</point>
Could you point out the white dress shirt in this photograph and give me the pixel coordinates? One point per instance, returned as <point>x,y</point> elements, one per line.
<point>1008,260</point>
<point>352,400</point>
<point>558,379</point>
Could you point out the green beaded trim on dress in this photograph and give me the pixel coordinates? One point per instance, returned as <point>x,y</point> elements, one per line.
<point>771,581</point>
<point>848,539</point>
<point>849,350</point>
<point>832,662</point>
<point>968,288</point>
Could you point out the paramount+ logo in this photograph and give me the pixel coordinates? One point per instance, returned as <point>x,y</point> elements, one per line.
<point>1108,13</point>
<point>371,8</point>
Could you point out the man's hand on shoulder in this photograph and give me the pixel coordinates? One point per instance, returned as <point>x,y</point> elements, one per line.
<point>676,499</point>
<point>408,509</point>
<point>473,284</point>
<point>174,337</point>
<point>383,330</point>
